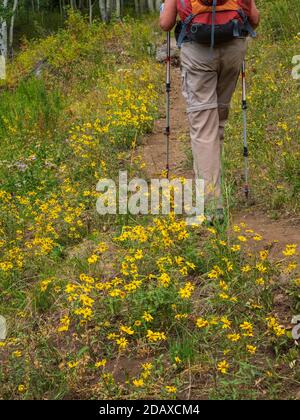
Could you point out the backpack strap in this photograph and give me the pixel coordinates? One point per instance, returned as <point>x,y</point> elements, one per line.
<point>236,28</point>
<point>183,31</point>
<point>247,25</point>
<point>213,23</point>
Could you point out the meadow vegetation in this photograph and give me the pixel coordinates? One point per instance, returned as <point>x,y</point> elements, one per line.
<point>128,306</point>
<point>274,113</point>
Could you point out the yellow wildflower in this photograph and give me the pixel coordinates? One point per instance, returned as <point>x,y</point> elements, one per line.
<point>171,389</point>
<point>156,336</point>
<point>251,349</point>
<point>100,363</point>
<point>201,323</point>
<point>122,343</point>
<point>290,250</point>
<point>223,366</point>
<point>72,365</point>
<point>248,328</point>
<point>127,330</point>
<point>21,388</point>
<point>147,317</point>
<point>233,337</point>
<point>138,383</point>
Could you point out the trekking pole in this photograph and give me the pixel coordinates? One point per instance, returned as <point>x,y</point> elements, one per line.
<point>168,94</point>
<point>244,109</point>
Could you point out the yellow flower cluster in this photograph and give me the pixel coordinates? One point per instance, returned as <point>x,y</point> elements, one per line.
<point>156,336</point>
<point>274,326</point>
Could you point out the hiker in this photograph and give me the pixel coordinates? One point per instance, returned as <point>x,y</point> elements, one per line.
<point>213,46</point>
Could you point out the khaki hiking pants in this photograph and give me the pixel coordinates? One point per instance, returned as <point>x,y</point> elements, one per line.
<point>209,78</point>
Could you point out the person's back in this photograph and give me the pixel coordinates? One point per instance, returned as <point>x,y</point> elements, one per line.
<point>211,59</point>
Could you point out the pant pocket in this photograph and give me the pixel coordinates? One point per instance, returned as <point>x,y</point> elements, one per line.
<point>185,85</point>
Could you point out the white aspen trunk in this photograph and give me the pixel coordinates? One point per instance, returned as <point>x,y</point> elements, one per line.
<point>142,6</point>
<point>90,12</point>
<point>102,7</point>
<point>12,24</point>
<point>136,7</point>
<point>118,9</point>
<point>150,5</point>
<point>157,5</point>
<point>108,9</point>
<point>3,32</point>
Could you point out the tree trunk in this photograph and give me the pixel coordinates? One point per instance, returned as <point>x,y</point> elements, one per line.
<point>102,7</point>
<point>143,6</point>
<point>118,9</point>
<point>64,8</point>
<point>3,32</point>
<point>157,5</point>
<point>90,12</point>
<point>137,7</point>
<point>150,5</point>
<point>11,28</point>
<point>108,9</point>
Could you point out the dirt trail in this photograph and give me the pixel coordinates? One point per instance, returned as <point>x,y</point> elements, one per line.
<point>153,151</point>
<point>154,148</point>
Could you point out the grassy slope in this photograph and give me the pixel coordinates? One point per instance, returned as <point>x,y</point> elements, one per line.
<point>91,304</point>
<point>274,113</point>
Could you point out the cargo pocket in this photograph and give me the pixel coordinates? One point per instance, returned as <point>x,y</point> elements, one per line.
<point>184,85</point>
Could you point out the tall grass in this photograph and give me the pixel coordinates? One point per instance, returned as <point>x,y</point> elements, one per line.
<point>28,104</point>
<point>273,111</point>
<point>281,17</point>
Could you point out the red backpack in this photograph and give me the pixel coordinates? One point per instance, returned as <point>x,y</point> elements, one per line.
<point>212,21</point>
